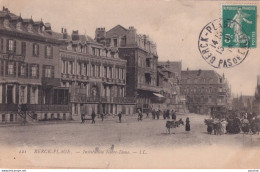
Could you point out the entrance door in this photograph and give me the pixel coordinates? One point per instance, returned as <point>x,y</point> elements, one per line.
<point>9,94</point>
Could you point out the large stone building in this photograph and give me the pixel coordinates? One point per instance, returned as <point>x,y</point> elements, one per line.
<point>206,91</point>
<point>95,76</point>
<point>29,71</point>
<point>142,59</point>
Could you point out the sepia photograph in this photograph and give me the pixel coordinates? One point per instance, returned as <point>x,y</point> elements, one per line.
<point>129,84</point>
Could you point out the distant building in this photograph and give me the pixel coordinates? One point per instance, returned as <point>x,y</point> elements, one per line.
<point>206,91</point>
<point>29,71</point>
<point>142,59</point>
<point>256,103</point>
<point>243,103</point>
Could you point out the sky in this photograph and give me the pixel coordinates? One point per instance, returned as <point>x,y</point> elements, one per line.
<point>174,25</point>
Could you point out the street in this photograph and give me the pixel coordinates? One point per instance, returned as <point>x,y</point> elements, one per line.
<point>147,133</point>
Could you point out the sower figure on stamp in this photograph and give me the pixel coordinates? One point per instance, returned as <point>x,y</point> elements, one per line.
<point>187,125</point>
<point>93,116</point>
<point>236,23</point>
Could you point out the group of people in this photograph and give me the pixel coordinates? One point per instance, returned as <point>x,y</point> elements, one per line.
<point>93,116</point>
<point>166,114</point>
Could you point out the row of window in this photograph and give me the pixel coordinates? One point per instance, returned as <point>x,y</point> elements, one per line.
<point>201,90</point>
<point>68,67</point>
<point>11,47</point>
<point>25,69</point>
<point>13,117</point>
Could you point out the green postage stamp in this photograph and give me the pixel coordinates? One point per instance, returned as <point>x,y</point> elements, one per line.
<point>239,26</point>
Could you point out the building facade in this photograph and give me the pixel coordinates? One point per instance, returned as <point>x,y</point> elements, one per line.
<point>29,71</point>
<point>206,91</point>
<point>169,80</point>
<point>142,59</point>
<point>94,75</point>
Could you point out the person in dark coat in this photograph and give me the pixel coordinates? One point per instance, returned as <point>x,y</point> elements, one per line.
<point>82,118</point>
<point>173,115</point>
<point>93,116</point>
<point>102,116</point>
<point>158,114</point>
<point>120,116</point>
<point>140,115</point>
<point>187,125</point>
<point>153,113</point>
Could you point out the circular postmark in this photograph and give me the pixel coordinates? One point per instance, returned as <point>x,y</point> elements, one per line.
<point>212,51</point>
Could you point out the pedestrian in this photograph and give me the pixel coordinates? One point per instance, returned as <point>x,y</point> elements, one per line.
<point>93,116</point>
<point>158,114</point>
<point>120,116</point>
<point>173,115</point>
<point>82,118</point>
<point>102,116</point>
<point>153,113</point>
<point>164,114</point>
<point>187,125</point>
<point>140,115</point>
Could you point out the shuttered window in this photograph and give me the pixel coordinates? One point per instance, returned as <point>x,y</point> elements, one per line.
<point>23,48</point>
<point>48,71</point>
<point>11,45</point>
<point>36,50</point>
<point>48,51</point>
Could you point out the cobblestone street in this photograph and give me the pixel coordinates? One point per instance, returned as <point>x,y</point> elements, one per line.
<point>146,133</point>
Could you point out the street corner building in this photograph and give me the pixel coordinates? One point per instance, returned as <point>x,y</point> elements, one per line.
<point>141,68</point>
<point>206,91</point>
<point>94,75</point>
<point>30,87</point>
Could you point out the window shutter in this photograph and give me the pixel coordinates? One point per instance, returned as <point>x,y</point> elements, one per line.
<point>2,68</point>
<point>43,71</point>
<point>17,93</point>
<point>38,49</point>
<point>30,70</point>
<point>6,67</point>
<point>14,68</point>
<point>38,70</point>
<point>7,45</point>
<point>19,69</point>
<point>51,52</point>
<point>14,46</point>
<point>26,70</point>
<point>4,93</point>
<point>52,71</point>
<point>2,44</point>
<point>33,49</point>
<point>29,93</point>
<point>45,51</point>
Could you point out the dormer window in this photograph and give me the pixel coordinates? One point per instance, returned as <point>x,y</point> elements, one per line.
<point>69,47</point>
<point>30,27</point>
<point>19,26</point>
<point>6,23</point>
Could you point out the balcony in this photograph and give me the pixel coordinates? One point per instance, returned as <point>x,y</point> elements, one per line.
<point>51,82</point>
<point>84,99</point>
<point>124,100</point>
<point>148,88</point>
<point>12,56</point>
<point>47,108</point>
<point>8,107</point>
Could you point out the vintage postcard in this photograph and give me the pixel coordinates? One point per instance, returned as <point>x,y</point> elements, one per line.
<point>129,84</point>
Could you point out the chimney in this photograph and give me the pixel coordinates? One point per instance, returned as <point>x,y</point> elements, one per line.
<point>75,35</point>
<point>62,30</point>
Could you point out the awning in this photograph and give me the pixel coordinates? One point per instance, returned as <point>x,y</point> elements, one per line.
<point>158,95</point>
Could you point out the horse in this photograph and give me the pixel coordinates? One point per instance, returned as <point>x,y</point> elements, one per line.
<point>173,124</point>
